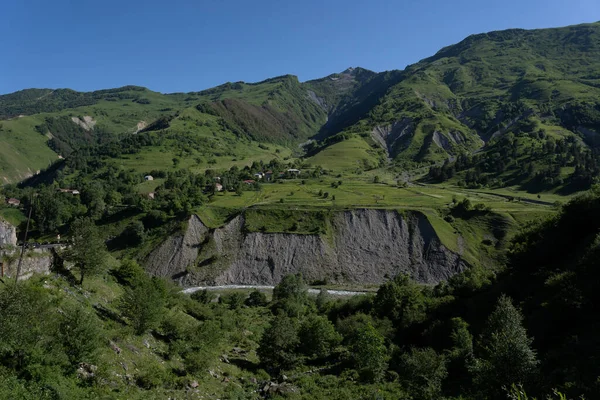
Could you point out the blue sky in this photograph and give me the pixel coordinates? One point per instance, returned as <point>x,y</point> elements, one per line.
<point>188,45</point>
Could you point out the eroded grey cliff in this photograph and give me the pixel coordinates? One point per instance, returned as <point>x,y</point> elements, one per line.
<point>364,246</point>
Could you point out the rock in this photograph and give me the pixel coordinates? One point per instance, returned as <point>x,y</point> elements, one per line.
<point>133,349</point>
<point>86,371</point>
<point>367,246</point>
<point>8,234</point>
<point>115,348</point>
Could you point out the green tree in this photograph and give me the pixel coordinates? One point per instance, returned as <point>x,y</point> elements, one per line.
<point>506,356</point>
<point>80,333</point>
<point>143,304</point>
<point>318,337</point>
<point>401,300</point>
<point>291,295</point>
<point>460,357</point>
<point>257,299</point>
<point>24,324</point>
<point>234,300</point>
<point>422,372</point>
<point>279,343</point>
<point>203,296</point>
<point>88,251</point>
<point>133,234</point>
<point>368,353</point>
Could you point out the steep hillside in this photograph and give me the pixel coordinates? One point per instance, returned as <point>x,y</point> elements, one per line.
<point>470,94</point>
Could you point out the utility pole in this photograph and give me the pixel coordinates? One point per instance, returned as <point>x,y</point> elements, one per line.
<point>23,246</point>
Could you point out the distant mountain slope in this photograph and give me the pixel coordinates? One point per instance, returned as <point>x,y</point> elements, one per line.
<point>468,91</point>
<point>513,95</point>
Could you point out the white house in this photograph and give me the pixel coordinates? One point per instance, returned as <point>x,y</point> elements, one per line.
<point>149,178</point>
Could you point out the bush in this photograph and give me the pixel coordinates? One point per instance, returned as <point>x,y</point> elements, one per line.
<point>143,304</point>
<point>234,300</point>
<point>422,372</point>
<point>257,299</point>
<point>278,345</point>
<point>203,296</point>
<point>368,353</point>
<point>80,333</point>
<point>318,337</point>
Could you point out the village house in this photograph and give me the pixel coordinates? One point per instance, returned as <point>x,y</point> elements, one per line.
<point>218,187</point>
<point>149,178</point>
<point>258,175</point>
<point>151,195</point>
<point>70,191</point>
<point>13,202</point>
<point>293,171</point>
<point>268,175</point>
<point>249,182</point>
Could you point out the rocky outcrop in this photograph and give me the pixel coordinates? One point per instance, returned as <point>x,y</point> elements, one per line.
<point>178,252</point>
<point>364,246</point>
<point>8,234</point>
<point>35,261</point>
<point>390,136</point>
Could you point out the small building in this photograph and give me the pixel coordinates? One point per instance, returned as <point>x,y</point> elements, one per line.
<point>149,178</point>
<point>151,195</point>
<point>13,202</point>
<point>70,191</point>
<point>293,171</point>
<point>249,182</point>
<point>218,187</point>
<point>258,175</point>
<point>268,175</point>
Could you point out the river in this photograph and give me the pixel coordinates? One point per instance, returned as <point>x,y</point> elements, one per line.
<point>260,287</point>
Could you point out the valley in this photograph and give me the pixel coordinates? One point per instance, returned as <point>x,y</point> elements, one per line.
<point>353,236</point>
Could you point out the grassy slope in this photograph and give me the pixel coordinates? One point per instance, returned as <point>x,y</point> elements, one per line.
<point>461,88</point>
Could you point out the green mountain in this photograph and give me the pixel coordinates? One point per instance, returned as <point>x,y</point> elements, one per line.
<point>540,85</point>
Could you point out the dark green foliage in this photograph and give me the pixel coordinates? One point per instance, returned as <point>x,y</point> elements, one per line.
<point>422,372</point>
<point>278,345</point>
<point>368,353</point>
<point>88,251</point>
<point>291,295</point>
<point>143,304</point>
<point>233,300</point>
<point>402,300</point>
<point>203,296</point>
<point>506,353</point>
<point>128,272</point>
<point>22,330</point>
<point>318,337</point>
<point>256,299</point>
<point>80,334</point>
<point>133,234</point>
